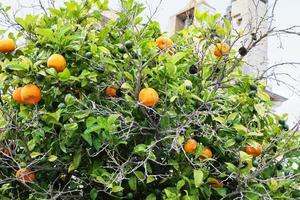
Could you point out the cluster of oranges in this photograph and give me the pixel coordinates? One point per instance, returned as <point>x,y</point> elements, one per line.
<point>31,94</point>
<point>190,146</point>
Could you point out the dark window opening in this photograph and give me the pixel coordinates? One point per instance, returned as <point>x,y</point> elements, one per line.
<point>184,19</point>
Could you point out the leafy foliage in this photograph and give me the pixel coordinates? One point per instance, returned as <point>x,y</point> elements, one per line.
<point>82,144</point>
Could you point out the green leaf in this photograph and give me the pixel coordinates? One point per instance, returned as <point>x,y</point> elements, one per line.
<point>229,143</point>
<point>260,109</point>
<point>52,118</point>
<point>173,98</point>
<point>52,158</point>
<point>71,127</point>
<point>150,179</point>
<point>151,197</point>
<point>231,167</point>
<point>65,75</point>
<point>198,177</point>
<point>227,25</point>
<point>177,57</point>
<point>171,68</point>
<point>35,154</point>
<point>221,191</point>
<point>76,161</point>
<point>44,32</point>
<point>140,175</point>
<point>112,118</point>
<point>180,184</point>
<point>104,50</point>
<point>140,148</point>
<point>263,96</point>
<point>132,183</point>
<point>96,143</point>
<point>93,194</point>
<point>232,116</point>
<point>52,72</point>
<point>219,119</point>
<point>88,138</point>
<point>240,128</point>
<point>245,157</point>
<point>273,185</point>
<point>117,189</point>
<point>31,144</point>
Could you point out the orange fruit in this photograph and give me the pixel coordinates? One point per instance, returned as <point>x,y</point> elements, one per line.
<point>24,175</point>
<point>31,94</point>
<point>206,153</point>
<point>5,151</point>
<point>7,45</point>
<point>254,151</point>
<point>163,42</point>
<point>57,61</point>
<point>221,49</point>
<point>111,92</point>
<point>148,97</point>
<point>190,146</point>
<point>17,95</point>
<point>215,183</point>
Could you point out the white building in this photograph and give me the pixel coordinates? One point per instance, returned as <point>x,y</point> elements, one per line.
<point>249,19</point>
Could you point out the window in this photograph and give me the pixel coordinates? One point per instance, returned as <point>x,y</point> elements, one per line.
<point>184,19</point>
<point>239,21</point>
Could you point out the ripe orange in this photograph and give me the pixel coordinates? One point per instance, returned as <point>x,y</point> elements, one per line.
<point>221,49</point>
<point>163,42</point>
<point>24,175</point>
<point>215,183</point>
<point>31,94</point>
<point>57,61</point>
<point>5,151</point>
<point>190,146</point>
<point>148,97</point>
<point>206,153</point>
<point>111,92</point>
<point>7,45</point>
<point>254,151</point>
<point>17,95</point>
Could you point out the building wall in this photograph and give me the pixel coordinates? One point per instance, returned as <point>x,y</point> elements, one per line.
<point>202,6</point>
<point>249,16</point>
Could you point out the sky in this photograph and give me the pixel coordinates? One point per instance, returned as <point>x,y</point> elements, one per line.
<point>280,49</point>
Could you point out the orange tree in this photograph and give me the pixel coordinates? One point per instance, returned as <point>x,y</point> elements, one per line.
<point>116,110</point>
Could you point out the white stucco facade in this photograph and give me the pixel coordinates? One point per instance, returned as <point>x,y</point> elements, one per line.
<point>250,17</point>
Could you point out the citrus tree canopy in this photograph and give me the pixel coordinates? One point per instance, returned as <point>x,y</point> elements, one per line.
<point>117,110</point>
